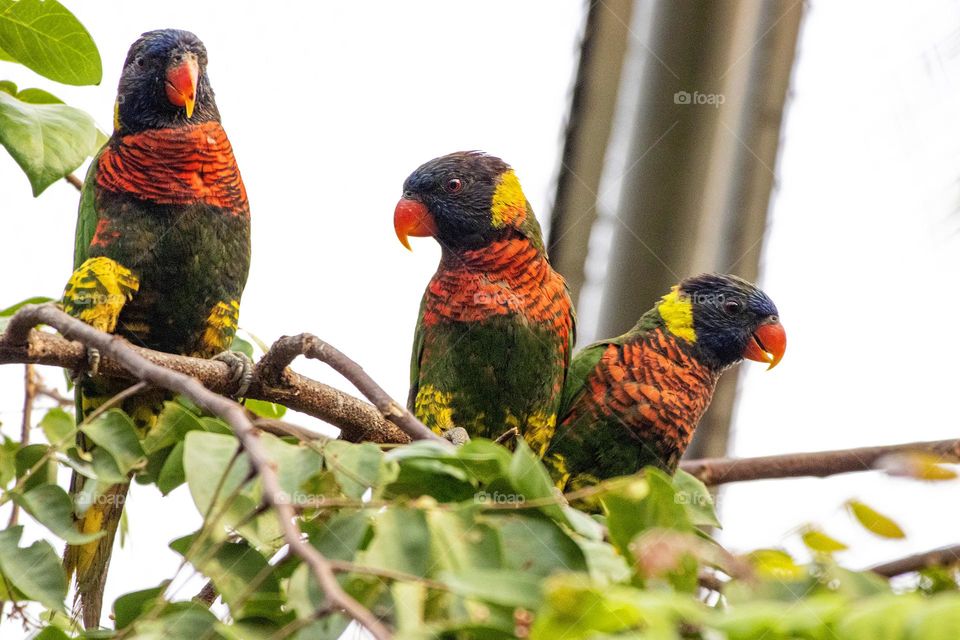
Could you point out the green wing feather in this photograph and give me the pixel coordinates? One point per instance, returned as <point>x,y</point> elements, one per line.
<point>87,217</point>
<point>580,368</point>
<point>415,358</point>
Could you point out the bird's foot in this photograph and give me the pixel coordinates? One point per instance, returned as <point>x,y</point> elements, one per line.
<point>457,436</point>
<point>92,367</point>
<point>241,370</point>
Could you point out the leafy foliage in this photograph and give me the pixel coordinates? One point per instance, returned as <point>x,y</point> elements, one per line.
<point>47,138</point>
<point>472,543</point>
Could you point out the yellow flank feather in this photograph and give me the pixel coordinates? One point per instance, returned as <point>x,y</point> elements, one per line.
<point>538,432</point>
<point>97,291</point>
<point>221,327</point>
<point>433,407</point>
<point>677,312</point>
<point>509,204</point>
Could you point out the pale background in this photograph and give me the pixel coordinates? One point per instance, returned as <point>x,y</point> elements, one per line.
<point>330,105</point>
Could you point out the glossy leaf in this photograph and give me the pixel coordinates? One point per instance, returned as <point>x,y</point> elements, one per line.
<point>44,36</point>
<point>116,433</point>
<point>48,141</point>
<point>51,506</point>
<point>874,521</point>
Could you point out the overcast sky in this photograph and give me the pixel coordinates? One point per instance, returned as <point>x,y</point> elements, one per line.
<point>330,105</point>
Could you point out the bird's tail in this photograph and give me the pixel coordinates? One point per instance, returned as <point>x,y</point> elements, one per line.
<point>99,507</point>
<point>89,562</point>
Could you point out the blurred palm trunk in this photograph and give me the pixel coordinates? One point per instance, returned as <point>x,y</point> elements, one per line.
<point>669,155</point>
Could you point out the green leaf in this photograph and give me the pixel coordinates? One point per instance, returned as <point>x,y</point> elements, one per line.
<point>44,36</point>
<point>355,466</point>
<point>874,521</point>
<point>776,564</point>
<point>532,482</point>
<point>12,309</point>
<point>37,96</point>
<point>35,570</point>
<point>696,499</point>
<point>59,427</point>
<point>499,586</point>
<point>6,57</point>
<point>28,457</point>
<point>536,544</point>
<point>115,432</point>
<point>129,606</point>
<point>241,575</point>
<point>51,506</point>
<point>939,619</point>
<point>209,465</point>
<point>265,409</point>
<point>820,542</point>
<point>48,141</point>
<point>241,345</point>
<point>180,621</point>
<point>401,542</point>
<point>8,460</point>
<point>171,473</point>
<point>172,426</point>
<point>880,618</point>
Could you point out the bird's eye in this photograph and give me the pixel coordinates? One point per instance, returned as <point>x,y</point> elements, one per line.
<point>139,61</point>
<point>732,306</point>
<point>453,185</point>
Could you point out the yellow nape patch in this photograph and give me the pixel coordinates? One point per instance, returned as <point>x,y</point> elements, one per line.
<point>509,204</point>
<point>97,291</point>
<point>116,115</point>
<point>677,312</point>
<point>539,430</point>
<point>221,327</point>
<point>433,408</point>
<point>557,463</point>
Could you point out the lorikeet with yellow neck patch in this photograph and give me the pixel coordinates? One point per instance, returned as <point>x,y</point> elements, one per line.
<point>496,325</point>
<point>635,400</point>
<point>162,254</point>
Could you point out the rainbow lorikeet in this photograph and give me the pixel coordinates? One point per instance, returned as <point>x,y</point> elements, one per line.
<point>496,325</point>
<point>162,254</point>
<point>635,400</point>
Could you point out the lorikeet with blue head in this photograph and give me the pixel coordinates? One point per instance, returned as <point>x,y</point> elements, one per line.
<point>161,258</point>
<point>635,400</point>
<point>496,325</point>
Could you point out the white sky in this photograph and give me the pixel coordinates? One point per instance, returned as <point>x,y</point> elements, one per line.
<point>330,105</point>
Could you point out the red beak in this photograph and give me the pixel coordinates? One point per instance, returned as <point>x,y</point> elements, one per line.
<point>767,344</point>
<point>182,84</point>
<point>411,218</point>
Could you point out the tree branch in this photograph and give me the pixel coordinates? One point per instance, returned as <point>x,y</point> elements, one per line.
<point>359,421</point>
<point>287,348</point>
<point>19,331</point>
<point>74,180</point>
<point>942,557</point>
<point>716,471</point>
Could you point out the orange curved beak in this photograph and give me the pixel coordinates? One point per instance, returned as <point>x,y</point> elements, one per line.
<point>412,218</point>
<point>182,84</point>
<point>767,344</point>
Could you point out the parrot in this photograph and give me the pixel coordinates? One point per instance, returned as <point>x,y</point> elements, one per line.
<point>496,325</point>
<point>635,400</point>
<point>161,257</point>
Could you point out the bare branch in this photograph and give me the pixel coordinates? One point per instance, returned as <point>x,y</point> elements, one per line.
<point>140,368</point>
<point>30,390</point>
<point>287,348</point>
<point>716,471</point>
<point>359,421</point>
<point>942,557</point>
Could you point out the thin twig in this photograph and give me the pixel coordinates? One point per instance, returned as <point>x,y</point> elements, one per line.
<point>715,471</point>
<point>115,347</point>
<point>74,180</point>
<point>29,395</point>
<point>942,557</point>
<point>287,348</point>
